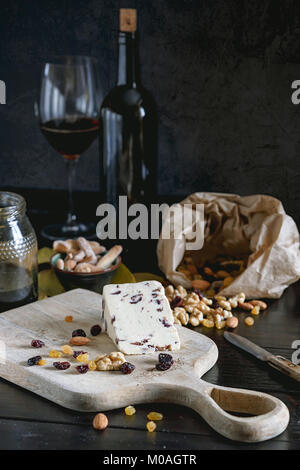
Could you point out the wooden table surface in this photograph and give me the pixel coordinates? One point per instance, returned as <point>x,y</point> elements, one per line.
<point>30,422</point>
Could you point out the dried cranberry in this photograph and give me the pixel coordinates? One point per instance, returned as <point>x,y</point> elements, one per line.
<point>136,298</point>
<point>127,368</point>
<point>77,353</point>
<point>78,333</point>
<point>34,360</point>
<point>215,303</point>
<point>96,330</point>
<point>176,302</point>
<point>36,343</point>
<point>165,359</point>
<point>165,366</point>
<point>82,369</point>
<point>61,365</point>
<point>165,323</point>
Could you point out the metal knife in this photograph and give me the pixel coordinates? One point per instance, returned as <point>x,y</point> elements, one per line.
<point>278,362</point>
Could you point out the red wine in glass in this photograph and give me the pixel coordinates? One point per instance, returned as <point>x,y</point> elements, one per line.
<point>71,137</point>
<point>68,110</point>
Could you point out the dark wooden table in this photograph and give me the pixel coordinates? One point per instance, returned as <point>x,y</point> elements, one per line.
<point>30,422</point>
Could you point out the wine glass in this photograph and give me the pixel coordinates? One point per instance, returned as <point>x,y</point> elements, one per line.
<point>67,109</point>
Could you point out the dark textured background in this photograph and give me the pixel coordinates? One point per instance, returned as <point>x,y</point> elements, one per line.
<point>220,72</point>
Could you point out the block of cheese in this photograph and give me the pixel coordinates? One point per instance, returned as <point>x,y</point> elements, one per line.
<point>138,318</point>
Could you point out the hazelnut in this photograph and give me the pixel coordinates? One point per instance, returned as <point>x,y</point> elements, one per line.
<point>100,422</point>
<point>232,322</point>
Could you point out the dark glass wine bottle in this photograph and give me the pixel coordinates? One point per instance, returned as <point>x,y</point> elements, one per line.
<point>128,127</point>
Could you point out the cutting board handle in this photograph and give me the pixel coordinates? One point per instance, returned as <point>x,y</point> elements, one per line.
<point>215,403</point>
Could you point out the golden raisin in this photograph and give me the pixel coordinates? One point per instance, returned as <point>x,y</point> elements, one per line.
<point>249,321</point>
<point>130,410</point>
<point>42,362</point>
<point>154,416</point>
<point>69,318</point>
<point>255,310</point>
<point>92,365</point>
<point>220,324</point>
<point>151,426</point>
<point>82,357</point>
<point>66,349</point>
<point>55,353</point>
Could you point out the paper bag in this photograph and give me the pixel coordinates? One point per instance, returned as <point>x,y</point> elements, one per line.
<point>255,227</point>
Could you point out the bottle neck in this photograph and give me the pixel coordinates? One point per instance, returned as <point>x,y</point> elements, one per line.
<point>128,60</point>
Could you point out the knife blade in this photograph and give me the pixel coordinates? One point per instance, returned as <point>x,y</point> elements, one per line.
<point>278,362</point>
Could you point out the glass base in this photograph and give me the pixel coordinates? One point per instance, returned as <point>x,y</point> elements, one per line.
<point>63,232</point>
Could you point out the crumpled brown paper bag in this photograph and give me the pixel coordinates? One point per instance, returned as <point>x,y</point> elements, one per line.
<point>254,226</point>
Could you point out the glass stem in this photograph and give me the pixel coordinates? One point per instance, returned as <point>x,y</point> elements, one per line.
<point>71,167</point>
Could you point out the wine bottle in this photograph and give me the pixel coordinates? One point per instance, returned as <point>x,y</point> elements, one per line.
<point>128,126</point>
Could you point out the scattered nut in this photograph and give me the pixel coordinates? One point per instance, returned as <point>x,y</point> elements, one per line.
<point>208,323</point>
<point>199,284</point>
<point>79,340</point>
<point>112,361</point>
<point>100,422</point>
<point>245,305</point>
<point>232,322</point>
<point>259,303</point>
<point>196,309</point>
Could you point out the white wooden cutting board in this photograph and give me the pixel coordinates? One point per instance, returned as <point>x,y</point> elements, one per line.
<point>100,391</point>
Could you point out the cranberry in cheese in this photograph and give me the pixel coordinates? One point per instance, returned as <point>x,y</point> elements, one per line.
<point>138,318</point>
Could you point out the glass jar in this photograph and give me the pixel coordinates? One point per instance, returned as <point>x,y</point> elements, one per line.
<point>18,253</point>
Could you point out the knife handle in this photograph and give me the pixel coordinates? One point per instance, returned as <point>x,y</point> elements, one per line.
<point>287,367</point>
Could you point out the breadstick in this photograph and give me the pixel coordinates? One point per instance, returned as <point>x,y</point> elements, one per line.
<point>65,246</point>
<point>61,246</point>
<point>86,247</point>
<point>79,256</point>
<point>83,268</point>
<point>70,264</point>
<point>97,248</point>
<point>109,258</point>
